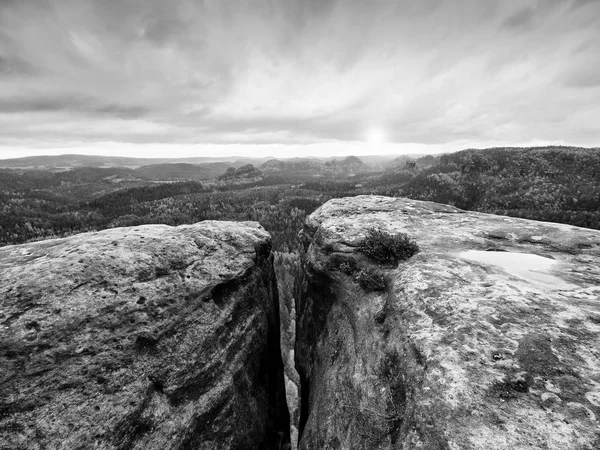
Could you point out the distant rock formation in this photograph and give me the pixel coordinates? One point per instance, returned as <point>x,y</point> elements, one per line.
<point>347,166</point>
<point>273,165</point>
<point>150,337</point>
<point>296,165</point>
<point>243,173</point>
<point>487,338</point>
<point>350,164</point>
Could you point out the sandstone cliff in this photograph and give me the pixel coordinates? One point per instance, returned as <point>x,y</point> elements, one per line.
<point>488,338</point>
<point>150,337</point>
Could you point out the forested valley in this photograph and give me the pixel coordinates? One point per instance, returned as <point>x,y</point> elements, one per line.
<point>556,184</point>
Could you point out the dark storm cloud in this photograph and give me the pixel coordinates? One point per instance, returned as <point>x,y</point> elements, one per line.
<point>580,3</point>
<point>15,66</point>
<point>71,104</point>
<point>519,19</point>
<point>289,71</point>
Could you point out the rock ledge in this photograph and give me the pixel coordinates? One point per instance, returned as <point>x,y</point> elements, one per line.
<point>464,350</point>
<point>150,337</point>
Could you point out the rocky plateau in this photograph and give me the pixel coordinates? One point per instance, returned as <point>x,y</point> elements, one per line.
<point>150,337</point>
<point>488,338</point>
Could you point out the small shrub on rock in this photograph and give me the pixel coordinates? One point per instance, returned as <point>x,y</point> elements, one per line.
<point>384,247</point>
<point>342,262</point>
<point>348,267</point>
<point>371,280</point>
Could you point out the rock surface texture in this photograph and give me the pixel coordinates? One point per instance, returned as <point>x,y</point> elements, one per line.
<point>463,350</point>
<point>151,337</point>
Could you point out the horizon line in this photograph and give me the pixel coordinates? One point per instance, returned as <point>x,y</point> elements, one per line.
<point>268,157</point>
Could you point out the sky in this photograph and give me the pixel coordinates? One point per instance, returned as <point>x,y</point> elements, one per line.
<point>296,77</point>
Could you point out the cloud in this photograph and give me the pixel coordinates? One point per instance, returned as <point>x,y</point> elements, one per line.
<point>520,19</point>
<point>583,3</point>
<point>291,72</point>
<point>585,74</point>
<point>73,104</point>
<point>15,66</point>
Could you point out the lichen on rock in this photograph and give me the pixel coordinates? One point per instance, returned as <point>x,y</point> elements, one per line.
<point>458,352</point>
<point>150,337</point>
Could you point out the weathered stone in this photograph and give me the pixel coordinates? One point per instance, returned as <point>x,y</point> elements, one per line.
<point>150,337</point>
<point>469,347</point>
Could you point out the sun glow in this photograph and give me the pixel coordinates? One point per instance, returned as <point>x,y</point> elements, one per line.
<point>375,135</point>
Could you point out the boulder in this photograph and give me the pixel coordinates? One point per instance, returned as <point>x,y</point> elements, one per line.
<point>487,338</point>
<point>150,337</point>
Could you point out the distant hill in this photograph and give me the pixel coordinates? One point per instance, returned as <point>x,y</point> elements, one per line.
<point>553,183</point>
<point>42,179</point>
<point>296,165</point>
<point>50,162</point>
<point>10,179</point>
<point>305,165</point>
<point>315,167</point>
<point>182,171</point>
<point>398,162</point>
<point>62,162</point>
<point>89,174</point>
